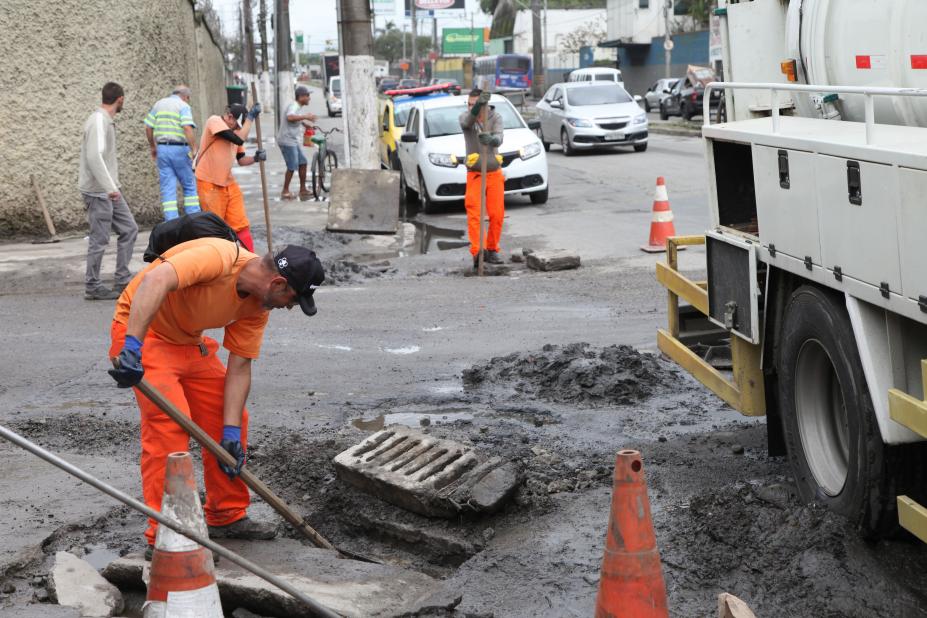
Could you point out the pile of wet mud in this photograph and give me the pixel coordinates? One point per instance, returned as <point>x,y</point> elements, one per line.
<point>783,558</point>
<point>90,433</point>
<point>577,374</point>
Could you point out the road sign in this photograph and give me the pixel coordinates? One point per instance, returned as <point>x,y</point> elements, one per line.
<point>668,44</point>
<point>300,40</point>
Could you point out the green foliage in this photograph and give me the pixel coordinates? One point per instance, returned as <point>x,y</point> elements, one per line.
<point>700,10</point>
<point>388,44</point>
<point>489,6</point>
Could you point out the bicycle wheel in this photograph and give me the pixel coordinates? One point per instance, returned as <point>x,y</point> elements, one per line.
<point>316,177</point>
<point>331,164</point>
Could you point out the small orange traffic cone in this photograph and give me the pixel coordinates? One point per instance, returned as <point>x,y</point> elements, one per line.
<point>632,580</point>
<point>661,226</point>
<point>183,577</point>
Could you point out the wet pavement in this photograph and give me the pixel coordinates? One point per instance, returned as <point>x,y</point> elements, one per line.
<point>552,371</point>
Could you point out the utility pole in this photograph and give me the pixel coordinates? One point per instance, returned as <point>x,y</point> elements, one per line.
<point>667,40</point>
<point>358,85</point>
<point>537,85</point>
<point>262,31</point>
<point>435,50</point>
<point>546,50</point>
<point>404,57</point>
<point>414,41</point>
<point>282,60</point>
<point>249,38</point>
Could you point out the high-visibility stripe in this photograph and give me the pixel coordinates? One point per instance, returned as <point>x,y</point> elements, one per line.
<point>663,217</point>
<point>659,194</point>
<point>191,200</point>
<point>167,113</point>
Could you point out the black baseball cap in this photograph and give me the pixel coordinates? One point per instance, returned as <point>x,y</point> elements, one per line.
<point>238,111</point>
<point>303,271</point>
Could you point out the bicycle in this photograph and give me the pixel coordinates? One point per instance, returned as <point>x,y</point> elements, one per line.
<point>324,162</point>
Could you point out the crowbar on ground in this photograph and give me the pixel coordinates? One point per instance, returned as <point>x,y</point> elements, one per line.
<point>38,451</point>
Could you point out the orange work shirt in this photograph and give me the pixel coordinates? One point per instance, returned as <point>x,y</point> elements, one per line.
<point>206,297</point>
<point>217,155</point>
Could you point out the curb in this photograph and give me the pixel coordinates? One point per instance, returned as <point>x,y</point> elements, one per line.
<point>675,130</point>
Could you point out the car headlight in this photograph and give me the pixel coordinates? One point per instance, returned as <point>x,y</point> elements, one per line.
<point>442,160</point>
<point>579,122</point>
<point>640,119</point>
<point>531,150</point>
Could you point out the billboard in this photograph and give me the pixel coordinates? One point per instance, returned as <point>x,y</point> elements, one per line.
<point>462,41</point>
<point>427,7</point>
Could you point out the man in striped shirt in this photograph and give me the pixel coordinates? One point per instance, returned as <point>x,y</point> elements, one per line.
<point>169,127</point>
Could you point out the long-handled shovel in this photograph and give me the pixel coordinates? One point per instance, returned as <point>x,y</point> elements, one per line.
<point>260,145</point>
<point>246,475</point>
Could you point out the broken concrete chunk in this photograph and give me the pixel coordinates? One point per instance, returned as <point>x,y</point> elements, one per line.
<point>552,260</point>
<point>348,587</point>
<point>427,475</point>
<point>730,606</point>
<point>517,256</point>
<point>75,583</point>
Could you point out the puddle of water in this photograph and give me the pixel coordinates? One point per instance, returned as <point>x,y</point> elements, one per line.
<point>99,556</point>
<point>411,419</point>
<point>408,349</point>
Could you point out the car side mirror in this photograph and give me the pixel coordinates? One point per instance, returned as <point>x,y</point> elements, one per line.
<point>666,91</point>
<point>557,104</point>
<point>534,124</point>
<point>409,137</point>
<point>638,98</point>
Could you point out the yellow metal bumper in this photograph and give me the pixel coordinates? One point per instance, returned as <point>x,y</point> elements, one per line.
<point>744,391</point>
<point>912,413</point>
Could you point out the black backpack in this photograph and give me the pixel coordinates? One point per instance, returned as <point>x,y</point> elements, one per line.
<point>188,227</point>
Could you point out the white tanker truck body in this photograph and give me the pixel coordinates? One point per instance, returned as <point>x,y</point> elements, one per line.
<point>816,260</point>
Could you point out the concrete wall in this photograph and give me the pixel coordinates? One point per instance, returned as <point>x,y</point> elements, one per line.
<point>641,65</point>
<point>58,54</point>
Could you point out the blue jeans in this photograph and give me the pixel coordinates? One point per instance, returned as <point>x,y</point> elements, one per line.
<point>294,157</point>
<point>174,166</point>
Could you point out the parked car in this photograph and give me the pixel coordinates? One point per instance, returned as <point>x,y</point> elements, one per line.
<point>657,92</point>
<point>597,74</point>
<point>432,153</point>
<point>409,83</point>
<point>685,98</point>
<point>455,85</point>
<point>394,110</point>
<point>582,116</point>
<point>333,96</point>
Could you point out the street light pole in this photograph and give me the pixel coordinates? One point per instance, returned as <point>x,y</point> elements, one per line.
<point>536,44</point>
<point>667,40</point>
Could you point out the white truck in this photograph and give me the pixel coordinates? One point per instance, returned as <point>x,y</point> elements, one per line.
<point>816,258</point>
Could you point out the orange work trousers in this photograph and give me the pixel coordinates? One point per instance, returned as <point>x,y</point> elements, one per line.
<point>193,379</point>
<point>495,209</point>
<point>227,202</point>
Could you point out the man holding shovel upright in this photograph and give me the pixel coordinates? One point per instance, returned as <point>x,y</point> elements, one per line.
<point>194,286</point>
<point>483,130</point>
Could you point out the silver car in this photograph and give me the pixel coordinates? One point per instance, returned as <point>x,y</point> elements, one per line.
<point>657,92</point>
<point>582,116</point>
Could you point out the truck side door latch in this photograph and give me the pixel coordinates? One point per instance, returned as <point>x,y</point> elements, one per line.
<point>730,314</point>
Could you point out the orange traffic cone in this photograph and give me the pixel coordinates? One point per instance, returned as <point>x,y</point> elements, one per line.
<point>632,580</point>
<point>183,578</point>
<point>661,226</point>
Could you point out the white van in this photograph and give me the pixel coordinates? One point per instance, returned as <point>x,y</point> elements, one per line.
<point>597,74</point>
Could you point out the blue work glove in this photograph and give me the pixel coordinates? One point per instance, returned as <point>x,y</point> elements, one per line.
<point>486,139</point>
<point>260,155</point>
<point>130,371</point>
<point>254,111</point>
<point>231,442</point>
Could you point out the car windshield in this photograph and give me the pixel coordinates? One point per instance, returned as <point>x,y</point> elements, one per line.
<point>446,120</point>
<point>336,86</point>
<point>604,77</point>
<point>402,114</point>
<point>597,95</point>
<point>514,64</point>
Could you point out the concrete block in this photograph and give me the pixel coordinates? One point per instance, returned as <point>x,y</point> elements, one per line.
<point>552,260</point>
<point>349,587</point>
<point>75,583</point>
<point>364,201</point>
<point>427,475</point>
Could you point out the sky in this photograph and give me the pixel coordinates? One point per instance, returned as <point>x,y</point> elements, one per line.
<point>317,18</point>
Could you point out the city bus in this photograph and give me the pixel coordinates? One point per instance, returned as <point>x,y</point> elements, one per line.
<point>503,73</point>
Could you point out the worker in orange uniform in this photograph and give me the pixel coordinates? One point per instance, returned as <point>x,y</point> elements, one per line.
<point>483,127</point>
<point>197,285</point>
<point>222,143</point>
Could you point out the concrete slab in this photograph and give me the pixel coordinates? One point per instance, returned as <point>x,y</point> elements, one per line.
<point>75,583</point>
<point>349,587</point>
<point>364,201</point>
<point>427,475</point>
<point>552,260</point>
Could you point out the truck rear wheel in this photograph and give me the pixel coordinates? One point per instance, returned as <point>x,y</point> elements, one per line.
<point>834,446</point>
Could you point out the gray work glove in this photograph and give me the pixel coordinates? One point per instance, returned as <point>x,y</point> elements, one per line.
<point>260,155</point>
<point>255,111</point>
<point>486,139</point>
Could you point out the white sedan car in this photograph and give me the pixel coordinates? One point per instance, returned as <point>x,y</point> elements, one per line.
<point>432,154</point>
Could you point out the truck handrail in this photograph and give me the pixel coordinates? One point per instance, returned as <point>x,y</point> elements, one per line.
<point>868,91</point>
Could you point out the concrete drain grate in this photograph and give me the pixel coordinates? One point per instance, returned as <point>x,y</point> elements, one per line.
<point>427,475</point>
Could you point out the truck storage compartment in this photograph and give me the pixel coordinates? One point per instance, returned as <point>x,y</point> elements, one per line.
<point>735,189</point>
<point>785,197</point>
<point>733,285</point>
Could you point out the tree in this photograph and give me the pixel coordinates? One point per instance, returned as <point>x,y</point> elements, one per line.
<point>388,44</point>
<point>489,6</point>
<point>700,11</point>
<point>589,34</point>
